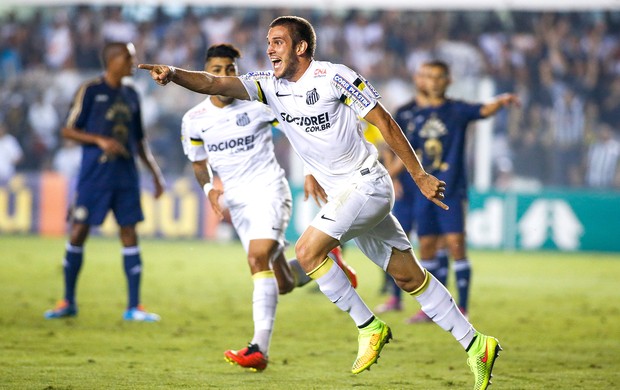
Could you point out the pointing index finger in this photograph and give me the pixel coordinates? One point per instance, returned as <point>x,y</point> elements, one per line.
<point>440,204</point>
<point>146,66</point>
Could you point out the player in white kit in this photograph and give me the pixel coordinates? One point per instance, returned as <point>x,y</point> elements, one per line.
<point>318,104</point>
<point>234,138</point>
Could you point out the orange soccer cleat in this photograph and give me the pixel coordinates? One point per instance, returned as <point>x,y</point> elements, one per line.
<point>250,357</point>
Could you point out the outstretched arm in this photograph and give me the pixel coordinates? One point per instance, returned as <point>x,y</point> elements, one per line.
<point>432,188</point>
<point>500,102</point>
<point>201,82</point>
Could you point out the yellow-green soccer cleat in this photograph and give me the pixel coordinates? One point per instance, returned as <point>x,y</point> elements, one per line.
<point>482,354</point>
<point>371,341</point>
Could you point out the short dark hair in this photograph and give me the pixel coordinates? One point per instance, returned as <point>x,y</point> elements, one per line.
<point>300,30</point>
<point>225,50</point>
<point>111,50</point>
<point>438,64</point>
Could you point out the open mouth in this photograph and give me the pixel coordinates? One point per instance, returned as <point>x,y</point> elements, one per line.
<point>277,63</point>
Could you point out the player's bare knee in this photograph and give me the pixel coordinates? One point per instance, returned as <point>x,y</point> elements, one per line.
<point>407,274</point>
<point>258,262</point>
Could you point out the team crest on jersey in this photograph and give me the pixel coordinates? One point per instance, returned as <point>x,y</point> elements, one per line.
<point>433,128</point>
<point>243,119</point>
<point>312,97</point>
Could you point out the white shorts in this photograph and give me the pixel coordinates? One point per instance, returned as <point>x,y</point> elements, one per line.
<point>264,216</point>
<point>362,211</point>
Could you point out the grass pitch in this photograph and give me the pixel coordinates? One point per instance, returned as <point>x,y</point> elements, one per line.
<point>557,317</point>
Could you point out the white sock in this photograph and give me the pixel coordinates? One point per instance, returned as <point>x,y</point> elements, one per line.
<point>264,302</point>
<point>438,304</point>
<point>301,278</point>
<point>334,284</point>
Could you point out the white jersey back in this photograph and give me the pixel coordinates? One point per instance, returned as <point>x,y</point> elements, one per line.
<point>237,142</point>
<point>319,114</point>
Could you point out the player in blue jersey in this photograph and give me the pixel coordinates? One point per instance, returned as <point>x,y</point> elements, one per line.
<point>405,191</point>
<point>105,117</point>
<point>436,127</point>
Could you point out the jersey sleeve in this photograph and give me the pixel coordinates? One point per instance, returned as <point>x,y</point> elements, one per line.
<point>268,116</point>
<point>255,83</point>
<point>472,110</point>
<point>193,144</point>
<point>354,90</point>
<point>78,113</point>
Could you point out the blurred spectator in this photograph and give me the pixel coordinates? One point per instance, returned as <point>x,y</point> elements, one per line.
<point>567,129</point>
<point>610,107</point>
<point>364,37</point>
<point>10,58</point>
<point>218,26</point>
<point>44,122</point>
<point>67,159</point>
<point>59,45</point>
<point>10,153</point>
<point>116,29</point>
<point>603,159</point>
<point>87,48</point>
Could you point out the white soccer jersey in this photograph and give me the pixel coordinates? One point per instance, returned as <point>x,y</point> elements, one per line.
<point>238,144</point>
<point>328,137</point>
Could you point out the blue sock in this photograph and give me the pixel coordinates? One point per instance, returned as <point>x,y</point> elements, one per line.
<point>393,287</point>
<point>71,267</point>
<point>133,272</point>
<point>462,269</point>
<point>431,266</point>
<point>442,270</point>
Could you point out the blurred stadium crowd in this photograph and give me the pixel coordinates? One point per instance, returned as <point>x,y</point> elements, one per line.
<point>565,66</point>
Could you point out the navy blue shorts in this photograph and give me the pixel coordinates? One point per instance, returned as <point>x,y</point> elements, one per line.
<point>404,210</point>
<point>433,220</point>
<point>91,207</point>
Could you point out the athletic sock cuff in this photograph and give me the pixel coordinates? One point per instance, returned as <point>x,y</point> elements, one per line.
<point>423,286</point>
<point>74,248</point>
<point>131,250</point>
<point>322,269</point>
<point>263,275</point>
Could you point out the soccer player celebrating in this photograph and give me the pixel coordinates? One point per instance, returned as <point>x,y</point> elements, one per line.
<point>234,138</point>
<point>105,118</point>
<point>318,104</point>
<point>436,127</point>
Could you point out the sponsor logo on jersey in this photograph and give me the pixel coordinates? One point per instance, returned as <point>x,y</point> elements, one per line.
<point>351,91</point>
<point>243,119</point>
<point>312,123</point>
<point>101,98</point>
<point>312,97</point>
<point>320,72</point>
<point>250,75</point>
<point>239,144</point>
